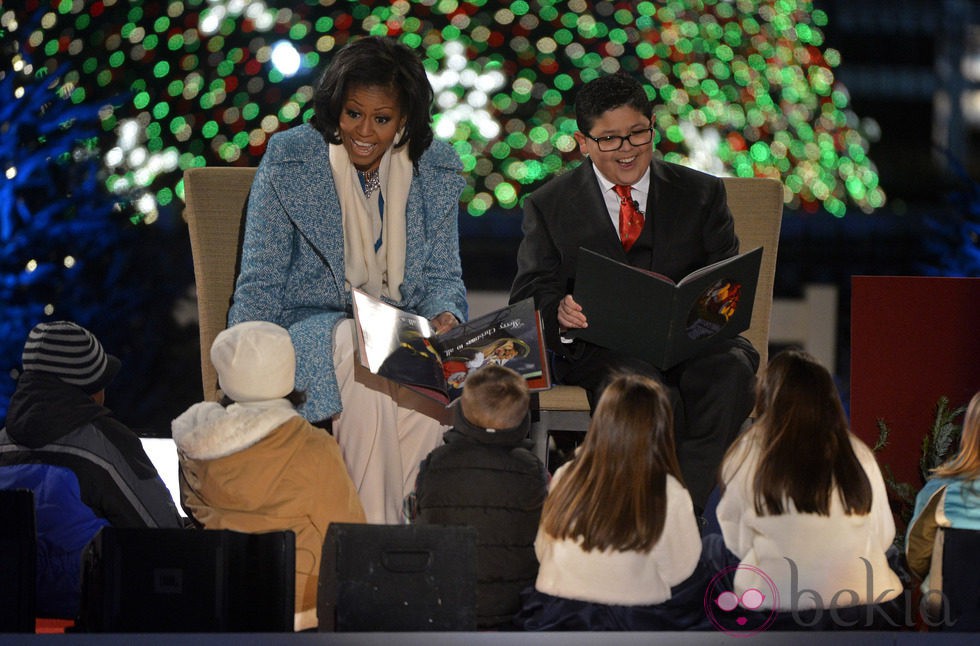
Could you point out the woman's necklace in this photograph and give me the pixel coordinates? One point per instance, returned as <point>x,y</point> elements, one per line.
<point>370,180</point>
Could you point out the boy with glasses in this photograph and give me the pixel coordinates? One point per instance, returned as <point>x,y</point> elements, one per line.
<point>623,203</point>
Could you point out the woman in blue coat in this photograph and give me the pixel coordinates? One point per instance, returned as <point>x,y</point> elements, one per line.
<point>359,197</point>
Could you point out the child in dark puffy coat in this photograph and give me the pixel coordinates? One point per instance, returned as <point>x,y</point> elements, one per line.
<point>85,467</point>
<point>486,477</point>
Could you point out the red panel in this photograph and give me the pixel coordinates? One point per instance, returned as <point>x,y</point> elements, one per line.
<point>913,340</point>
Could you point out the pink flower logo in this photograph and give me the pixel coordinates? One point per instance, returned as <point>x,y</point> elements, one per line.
<point>741,616</point>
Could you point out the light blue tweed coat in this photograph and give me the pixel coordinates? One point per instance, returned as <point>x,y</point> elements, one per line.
<point>292,266</point>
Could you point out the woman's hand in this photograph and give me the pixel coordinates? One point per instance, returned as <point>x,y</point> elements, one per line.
<point>570,314</point>
<point>444,322</point>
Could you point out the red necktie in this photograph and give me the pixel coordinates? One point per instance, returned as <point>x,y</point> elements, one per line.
<point>630,218</point>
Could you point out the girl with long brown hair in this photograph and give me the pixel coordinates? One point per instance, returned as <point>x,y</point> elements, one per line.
<point>618,531</point>
<point>803,499</point>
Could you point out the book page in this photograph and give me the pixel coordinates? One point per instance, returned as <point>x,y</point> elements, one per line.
<point>707,269</point>
<point>402,347</point>
<point>381,328</point>
<point>507,337</point>
<point>631,268</point>
<point>628,309</point>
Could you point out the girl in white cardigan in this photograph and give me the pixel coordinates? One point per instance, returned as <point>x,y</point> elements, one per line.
<point>804,502</point>
<point>618,535</point>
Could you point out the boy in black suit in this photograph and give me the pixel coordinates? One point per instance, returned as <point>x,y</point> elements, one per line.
<point>623,203</point>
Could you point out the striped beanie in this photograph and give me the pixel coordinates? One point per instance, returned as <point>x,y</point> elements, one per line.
<point>71,353</point>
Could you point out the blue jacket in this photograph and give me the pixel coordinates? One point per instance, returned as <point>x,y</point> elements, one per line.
<point>65,525</point>
<point>292,266</point>
<point>942,502</point>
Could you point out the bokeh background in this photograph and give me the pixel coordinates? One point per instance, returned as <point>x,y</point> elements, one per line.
<point>868,111</point>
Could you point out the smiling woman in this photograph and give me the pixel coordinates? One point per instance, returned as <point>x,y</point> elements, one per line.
<point>368,124</point>
<point>360,197</point>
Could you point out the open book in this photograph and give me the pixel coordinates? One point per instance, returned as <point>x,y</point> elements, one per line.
<point>647,315</point>
<point>401,346</point>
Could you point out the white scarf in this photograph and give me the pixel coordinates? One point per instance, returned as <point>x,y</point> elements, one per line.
<point>378,272</point>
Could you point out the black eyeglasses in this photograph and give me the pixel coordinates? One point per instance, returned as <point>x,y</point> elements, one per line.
<point>610,143</point>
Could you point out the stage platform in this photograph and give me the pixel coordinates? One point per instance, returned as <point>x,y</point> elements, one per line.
<point>854,638</point>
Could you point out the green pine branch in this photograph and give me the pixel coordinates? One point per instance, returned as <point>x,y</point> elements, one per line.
<point>940,443</point>
<point>938,446</point>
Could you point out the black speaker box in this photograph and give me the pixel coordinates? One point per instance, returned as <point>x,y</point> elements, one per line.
<point>961,588</point>
<point>397,578</point>
<point>188,580</point>
<point>18,561</point>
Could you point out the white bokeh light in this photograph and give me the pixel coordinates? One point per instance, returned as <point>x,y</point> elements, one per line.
<point>211,19</point>
<point>285,58</point>
<point>477,86</point>
<point>702,146</point>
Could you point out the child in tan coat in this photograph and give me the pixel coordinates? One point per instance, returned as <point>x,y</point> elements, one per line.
<point>252,464</point>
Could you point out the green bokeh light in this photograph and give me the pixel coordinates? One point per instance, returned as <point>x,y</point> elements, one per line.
<point>753,77</point>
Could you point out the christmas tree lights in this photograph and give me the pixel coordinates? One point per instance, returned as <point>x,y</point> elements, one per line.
<point>742,87</point>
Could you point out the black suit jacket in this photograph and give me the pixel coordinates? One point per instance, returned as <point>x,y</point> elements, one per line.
<point>687,212</point>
